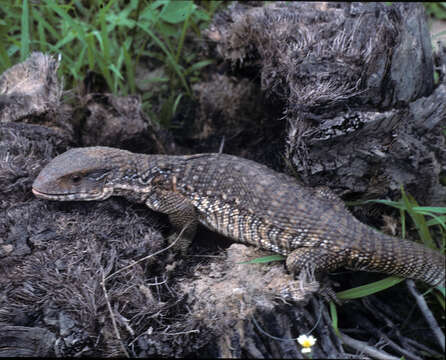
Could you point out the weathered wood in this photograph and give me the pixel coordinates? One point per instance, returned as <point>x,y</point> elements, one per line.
<point>21,341</point>
<point>354,86</point>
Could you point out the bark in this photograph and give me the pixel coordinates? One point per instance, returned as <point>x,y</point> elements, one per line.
<point>359,110</point>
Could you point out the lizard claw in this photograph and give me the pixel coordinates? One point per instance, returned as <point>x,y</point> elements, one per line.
<point>324,288</point>
<point>326,291</point>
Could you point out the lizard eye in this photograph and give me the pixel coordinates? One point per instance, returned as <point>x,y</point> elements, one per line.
<point>76,179</point>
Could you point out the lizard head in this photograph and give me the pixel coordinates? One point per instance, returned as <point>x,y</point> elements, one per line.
<point>79,174</point>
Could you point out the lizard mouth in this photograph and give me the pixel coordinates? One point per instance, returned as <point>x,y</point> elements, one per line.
<point>72,196</point>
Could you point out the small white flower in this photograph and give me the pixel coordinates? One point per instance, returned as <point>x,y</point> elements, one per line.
<point>307,342</point>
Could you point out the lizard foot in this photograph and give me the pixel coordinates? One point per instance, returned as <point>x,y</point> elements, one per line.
<point>326,290</point>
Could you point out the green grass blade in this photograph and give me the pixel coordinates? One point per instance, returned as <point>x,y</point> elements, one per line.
<point>155,80</point>
<point>198,65</point>
<point>103,66</point>
<point>176,103</point>
<point>91,51</point>
<point>369,289</point>
<point>4,58</point>
<point>84,11</point>
<point>440,299</point>
<point>65,40</point>
<point>334,317</point>
<point>418,219</point>
<point>129,66</point>
<point>79,61</point>
<point>104,61</point>
<point>14,48</point>
<point>188,11</point>
<point>434,209</point>
<point>116,71</point>
<point>24,37</point>
<point>45,24</point>
<point>403,223</point>
<point>212,6</point>
<point>437,220</point>
<point>98,37</point>
<point>42,37</point>
<point>264,259</point>
<point>104,37</point>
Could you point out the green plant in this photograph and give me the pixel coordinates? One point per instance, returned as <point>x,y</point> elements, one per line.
<point>436,9</point>
<point>111,37</point>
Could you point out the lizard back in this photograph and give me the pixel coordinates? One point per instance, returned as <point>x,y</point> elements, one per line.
<point>249,201</point>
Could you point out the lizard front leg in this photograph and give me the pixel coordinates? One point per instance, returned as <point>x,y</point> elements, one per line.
<point>182,217</point>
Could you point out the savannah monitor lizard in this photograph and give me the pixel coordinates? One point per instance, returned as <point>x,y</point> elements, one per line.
<point>243,200</point>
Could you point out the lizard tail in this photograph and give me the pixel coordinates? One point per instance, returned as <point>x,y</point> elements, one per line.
<point>398,257</point>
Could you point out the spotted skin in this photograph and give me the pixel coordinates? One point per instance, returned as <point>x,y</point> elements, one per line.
<point>242,200</point>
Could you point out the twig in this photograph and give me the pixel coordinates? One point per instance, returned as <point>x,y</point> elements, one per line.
<point>156,283</point>
<point>222,144</point>
<point>425,348</point>
<point>269,335</point>
<point>315,305</point>
<point>207,256</point>
<point>395,346</point>
<point>383,317</point>
<point>149,256</point>
<point>115,327</point>
<point>430,319</point>
<point>125,322</point>
<point>327,320</point>
<point>365,348</point>
<point>282,339</point>
<point>182,332</point>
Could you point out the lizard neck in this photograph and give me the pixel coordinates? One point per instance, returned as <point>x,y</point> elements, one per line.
<point>139,175</point>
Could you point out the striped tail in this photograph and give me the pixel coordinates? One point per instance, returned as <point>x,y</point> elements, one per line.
<point>394,256</point>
